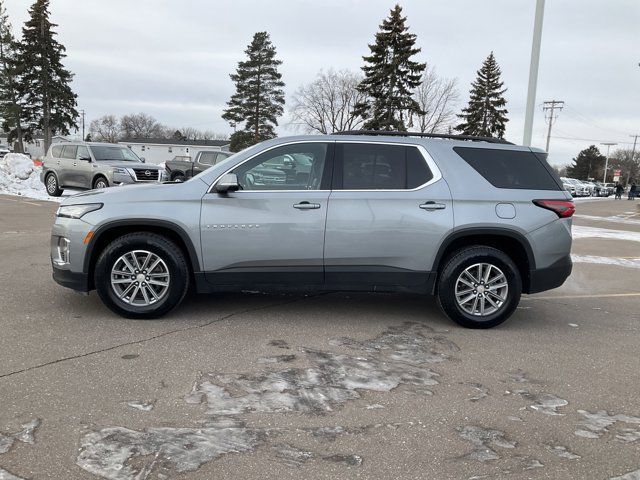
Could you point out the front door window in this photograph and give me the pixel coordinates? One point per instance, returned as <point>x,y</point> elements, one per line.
<point>298,166</point>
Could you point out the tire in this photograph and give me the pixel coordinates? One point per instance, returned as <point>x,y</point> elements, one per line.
<point>172,270</point>
<point>51,184</point>
<point>178,177</point>
<point>100,182</point>
<point>452,278</point>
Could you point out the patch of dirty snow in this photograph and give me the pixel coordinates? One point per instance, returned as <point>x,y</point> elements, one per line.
<point>481,392</point>
<point>620,262</point>
<point>635,475</point>
<point>579,231</point>
<point>546,403</point>
<point>597,423</point>
<point>108,451</point>
<point>290,455</point>
<point>26,435</point>
<point>562,452</point>
<point>392,359</point>
<point>4,475</point>
<point>484,440</point>
<point>142,406</point>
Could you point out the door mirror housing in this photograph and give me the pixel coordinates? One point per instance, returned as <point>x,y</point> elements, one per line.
<point>228,183</point>
<point>142,159</point>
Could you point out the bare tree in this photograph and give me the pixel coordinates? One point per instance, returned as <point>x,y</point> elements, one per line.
<point>105,129</point>
<point>191,133</point>
<point>141,125</point>
<point>437,98</point>
<point>326,105</point>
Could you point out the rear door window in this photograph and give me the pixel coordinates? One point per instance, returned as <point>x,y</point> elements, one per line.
<point>69,151</point>
<point>363,166</point>
<point>509,168</point>
<point>56,151</point>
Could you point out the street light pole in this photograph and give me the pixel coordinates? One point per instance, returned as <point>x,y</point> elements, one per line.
<point>606,161</point>
<point>533,73</point>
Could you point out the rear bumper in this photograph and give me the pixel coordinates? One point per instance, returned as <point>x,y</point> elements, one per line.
<point>553,276</point>
<point>74,280</point>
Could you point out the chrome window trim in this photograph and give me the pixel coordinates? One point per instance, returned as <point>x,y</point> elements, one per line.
<point>437,174</point>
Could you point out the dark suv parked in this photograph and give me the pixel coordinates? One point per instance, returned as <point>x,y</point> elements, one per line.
<point>183,168</point>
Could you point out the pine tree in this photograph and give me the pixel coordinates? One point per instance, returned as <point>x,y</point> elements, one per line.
<point>10,101</point>
<point>50,104</point>
<point>485,116</point>
<point>390,76</point>
<point>259,98</point>
<point>588,164</point>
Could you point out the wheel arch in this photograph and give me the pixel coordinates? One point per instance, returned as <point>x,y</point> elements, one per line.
<point>97,176</point>
<point>509,241</point>
<point>108,232</point>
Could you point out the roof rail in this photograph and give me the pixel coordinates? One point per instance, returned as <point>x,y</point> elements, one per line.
<point>395,133</point>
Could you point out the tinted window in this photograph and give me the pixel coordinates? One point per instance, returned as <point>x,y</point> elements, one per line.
<point>378,167</point>
<point>106,152</point>
<point>208,158</point>
<point>509,168</point>
<point>56,151</point>
<point>277,169</point>
<point>69,151</point>
<point>83,152</point>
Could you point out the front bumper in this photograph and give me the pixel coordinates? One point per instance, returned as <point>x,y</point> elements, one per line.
<point>74,280</point>
<point>542,279</point>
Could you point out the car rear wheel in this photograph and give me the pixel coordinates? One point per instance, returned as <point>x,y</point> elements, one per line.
<point>51,184</point>
<point>479,287</point>
<point>178,177</point>
<point>141,275</point>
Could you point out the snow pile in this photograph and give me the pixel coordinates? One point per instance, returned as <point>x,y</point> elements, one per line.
<point>19,176</point>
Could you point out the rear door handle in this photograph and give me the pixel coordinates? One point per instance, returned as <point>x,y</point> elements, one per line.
<point>306,206</point>
<point>429,206</point>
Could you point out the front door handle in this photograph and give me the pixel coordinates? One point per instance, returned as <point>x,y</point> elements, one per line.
<point>430,206</point>
<point>306,206</point>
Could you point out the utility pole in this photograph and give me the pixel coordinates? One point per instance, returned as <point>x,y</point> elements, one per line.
<point>551,106</point>
<point>606,162</point>
<point>633,150</point>
<point>533,73</point>
<point>82,114</point>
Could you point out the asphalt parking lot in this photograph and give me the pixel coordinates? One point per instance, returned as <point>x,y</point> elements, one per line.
<point>328,386</point>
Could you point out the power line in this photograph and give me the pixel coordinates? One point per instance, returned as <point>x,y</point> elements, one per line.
<point>550,106</point>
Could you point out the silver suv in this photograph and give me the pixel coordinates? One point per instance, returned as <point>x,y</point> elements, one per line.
<point>88,165</point>
<point>474,221</point>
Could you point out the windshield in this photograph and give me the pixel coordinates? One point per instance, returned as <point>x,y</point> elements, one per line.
<point>107,152</point>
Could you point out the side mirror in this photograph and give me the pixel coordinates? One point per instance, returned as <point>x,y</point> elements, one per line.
<point>142,159</point>
<point>228,183</point>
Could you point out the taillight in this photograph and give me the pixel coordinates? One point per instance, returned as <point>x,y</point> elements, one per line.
<point>562,208</point>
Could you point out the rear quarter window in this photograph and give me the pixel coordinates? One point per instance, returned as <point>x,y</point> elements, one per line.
<point>509,168</point>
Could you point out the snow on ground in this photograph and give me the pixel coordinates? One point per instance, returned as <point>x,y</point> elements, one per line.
<point>19,176</point>
<point>579,231</point>
<point>620,262</point>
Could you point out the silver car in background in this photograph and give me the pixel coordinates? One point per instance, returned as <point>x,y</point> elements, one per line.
<point>89,165</point>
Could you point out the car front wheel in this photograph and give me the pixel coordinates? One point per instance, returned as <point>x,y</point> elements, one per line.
<point>141,275</point>
<point>479,287</point>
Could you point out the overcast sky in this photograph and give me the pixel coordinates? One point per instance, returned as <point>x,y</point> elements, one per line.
<point>172,58</point>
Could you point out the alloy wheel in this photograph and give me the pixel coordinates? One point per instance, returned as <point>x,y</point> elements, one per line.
<point>481,289</point>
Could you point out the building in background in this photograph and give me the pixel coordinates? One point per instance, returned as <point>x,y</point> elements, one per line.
<point>34,148</point>
<point>158,150</point>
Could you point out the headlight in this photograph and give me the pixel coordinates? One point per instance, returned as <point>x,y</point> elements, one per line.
<point>122,171</point>
<point>77,211</point>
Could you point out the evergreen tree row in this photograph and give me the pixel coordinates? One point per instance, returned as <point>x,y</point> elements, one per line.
<point>386,93</point>
<point>35,90</point>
